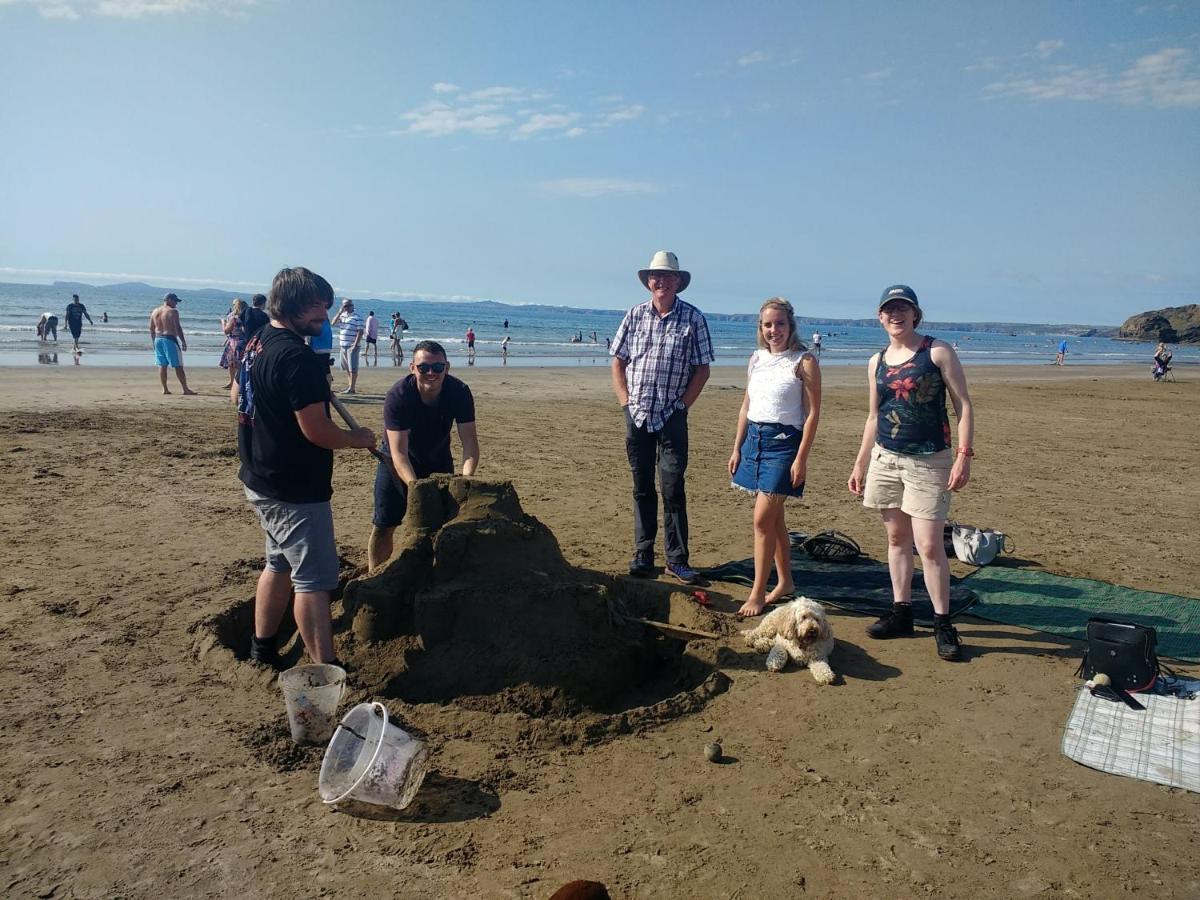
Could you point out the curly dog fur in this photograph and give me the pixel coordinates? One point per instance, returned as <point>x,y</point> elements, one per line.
<point>800,627</point>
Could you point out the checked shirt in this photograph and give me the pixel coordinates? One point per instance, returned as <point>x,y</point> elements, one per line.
<point>661,352</point>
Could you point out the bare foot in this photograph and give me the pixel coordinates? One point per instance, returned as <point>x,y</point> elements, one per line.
<point>782,593</point>
<point>752,608</point>
<point>188,392</point>
<point>165,391</point>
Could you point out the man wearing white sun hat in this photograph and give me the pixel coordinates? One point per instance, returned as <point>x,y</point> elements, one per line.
<point>661,355</point>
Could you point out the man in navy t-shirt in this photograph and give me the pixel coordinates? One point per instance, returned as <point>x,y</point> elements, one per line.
<point>417,415</point>
<point>286,442</point>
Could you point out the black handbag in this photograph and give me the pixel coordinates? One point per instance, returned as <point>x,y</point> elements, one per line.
<point>1124,651</point>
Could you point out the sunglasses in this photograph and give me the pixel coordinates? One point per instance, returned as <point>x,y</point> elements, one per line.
<point>436,368</point>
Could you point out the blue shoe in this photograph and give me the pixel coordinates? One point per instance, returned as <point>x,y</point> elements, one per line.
<point>684,572</point>
<point>642,565</point>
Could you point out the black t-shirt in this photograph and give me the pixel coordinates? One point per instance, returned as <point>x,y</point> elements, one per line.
<point>278,461</point>
<point>75,314</point>
<point>428,427</point>
<point>252,319</point>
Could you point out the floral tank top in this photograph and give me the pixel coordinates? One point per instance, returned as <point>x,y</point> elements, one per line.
<point>912,405</point>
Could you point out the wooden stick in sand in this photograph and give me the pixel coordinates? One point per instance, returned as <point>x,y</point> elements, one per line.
<point>349,419</point>
<point>676,631</point>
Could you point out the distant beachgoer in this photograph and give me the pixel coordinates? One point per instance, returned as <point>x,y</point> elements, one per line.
<point>506,324</point>
<point>817,343</point>
<point>372,337</point>
<point>253,317</point>
<point>595,339</point>
<point>661,356</point>
<point>1061,358</point>
<point>48,327</point>
<point>905,467</point>
<point>166,333</point>
<point>104,316</point>
<point>417,416</point>
<point>608,343</point>
<point>470,345</point>
<point>76,313</point>
<point>231,325</point>
<point>285,443</point>
<point>350,342</point>
<point>775,431</point>
<point>504,348</point>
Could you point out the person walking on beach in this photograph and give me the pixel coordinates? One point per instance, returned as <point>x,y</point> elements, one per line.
<point>504,348</point>
<point>776,428</point>
<point>905,468</point>
<point>76,313</point>
<point>1061,357</point>
<point>166,333</point>
<point>470,345</point>
<point>350,342</point>
<point>661,356</point>
<point>285,443</point>
<point>817,343</point>
<point>417,416</point>
<point>372,337</point>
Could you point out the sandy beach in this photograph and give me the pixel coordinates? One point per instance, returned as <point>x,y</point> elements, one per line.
<point>134,767</point>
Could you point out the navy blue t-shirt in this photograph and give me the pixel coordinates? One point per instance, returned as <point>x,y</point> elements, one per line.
<point>429,426</point>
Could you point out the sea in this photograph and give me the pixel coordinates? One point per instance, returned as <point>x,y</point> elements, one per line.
<point>540,335</point>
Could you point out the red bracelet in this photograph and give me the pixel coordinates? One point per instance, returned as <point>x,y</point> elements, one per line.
<point>966,451</point>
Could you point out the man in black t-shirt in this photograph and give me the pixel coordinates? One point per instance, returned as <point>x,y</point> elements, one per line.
<point>417,416</point>
<point>76,313</point>
<point>286,442</point>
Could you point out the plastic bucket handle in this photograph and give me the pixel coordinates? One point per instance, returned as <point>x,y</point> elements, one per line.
<point>375,706</point>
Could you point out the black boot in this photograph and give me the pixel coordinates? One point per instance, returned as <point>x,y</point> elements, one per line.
<point>949,646</point>
<point>896,623</point>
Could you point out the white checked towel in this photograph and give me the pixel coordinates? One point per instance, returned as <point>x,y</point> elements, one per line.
<point>1160,743</point>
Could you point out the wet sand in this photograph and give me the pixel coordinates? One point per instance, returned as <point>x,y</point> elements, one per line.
<point>131,766</point>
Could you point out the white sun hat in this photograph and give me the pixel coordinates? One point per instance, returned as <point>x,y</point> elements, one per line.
<point>666,261</point>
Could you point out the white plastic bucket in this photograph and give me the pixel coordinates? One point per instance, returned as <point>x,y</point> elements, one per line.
<point>372,761</point>
<point>312,694</point>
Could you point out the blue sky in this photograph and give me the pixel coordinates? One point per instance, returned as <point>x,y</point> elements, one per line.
<point>1024,161</point>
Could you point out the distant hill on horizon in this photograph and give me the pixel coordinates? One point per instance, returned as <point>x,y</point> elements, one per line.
<point>151,291</point>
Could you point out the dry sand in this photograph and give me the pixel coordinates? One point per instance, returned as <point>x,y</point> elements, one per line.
<point>132,767</point>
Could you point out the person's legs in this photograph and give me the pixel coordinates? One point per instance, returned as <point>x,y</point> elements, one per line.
<point>354,354</point>
<point>270,602</point>
<point>379,546</point>
<point>641,447</point>
<point>766,536</point>
<point>390,505</point>
<point>783,557</point>
<point>672,466</point>
<point>927,534</point>
<point>162,377</point>
<point>182,376</point>
<point>900,559</point>
<point>315,624</point>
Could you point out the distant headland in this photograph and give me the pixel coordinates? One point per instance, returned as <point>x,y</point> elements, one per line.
<point>1174,325</point>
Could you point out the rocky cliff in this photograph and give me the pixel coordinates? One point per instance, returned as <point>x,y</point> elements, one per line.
<point>1175,325</point>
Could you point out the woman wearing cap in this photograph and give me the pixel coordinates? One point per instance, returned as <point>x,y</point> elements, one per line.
<point>905,467</point>
<point>775,432</point>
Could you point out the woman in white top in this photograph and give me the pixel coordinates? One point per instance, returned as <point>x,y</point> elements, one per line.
<point>775,432</point>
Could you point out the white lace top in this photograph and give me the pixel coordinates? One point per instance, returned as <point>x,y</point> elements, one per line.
<point>775,388</point>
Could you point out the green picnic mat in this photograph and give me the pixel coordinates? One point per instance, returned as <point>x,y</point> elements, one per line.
<point>1060,605</point>
<point>862,585</point>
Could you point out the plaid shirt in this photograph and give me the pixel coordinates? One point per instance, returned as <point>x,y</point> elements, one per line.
<point>662,352</point>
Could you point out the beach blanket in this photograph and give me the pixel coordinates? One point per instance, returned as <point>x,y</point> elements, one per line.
<point>862,585</point>
<point>1160,743</point>
<point>1060,605</point>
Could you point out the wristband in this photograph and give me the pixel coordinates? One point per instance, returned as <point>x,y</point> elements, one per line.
<point>966,451</point>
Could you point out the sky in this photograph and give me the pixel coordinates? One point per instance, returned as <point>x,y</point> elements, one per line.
<point>1020,161</point>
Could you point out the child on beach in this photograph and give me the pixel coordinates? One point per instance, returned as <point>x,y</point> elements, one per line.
<point>776,428</point>
<point>905,468</point>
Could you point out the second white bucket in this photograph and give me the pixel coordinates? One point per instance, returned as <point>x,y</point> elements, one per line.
<point>372,761</point>
<point>312,694</point>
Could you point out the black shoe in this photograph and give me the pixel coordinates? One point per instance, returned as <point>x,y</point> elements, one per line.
<point>264,653</point>
<point>642,565</point>
<point>896,623</point>
<point>948,644</point>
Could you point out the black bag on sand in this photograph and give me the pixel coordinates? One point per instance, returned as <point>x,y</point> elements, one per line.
<point>1124,651</point>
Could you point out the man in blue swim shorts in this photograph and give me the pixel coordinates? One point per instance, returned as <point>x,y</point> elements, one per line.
<point>167,334</point>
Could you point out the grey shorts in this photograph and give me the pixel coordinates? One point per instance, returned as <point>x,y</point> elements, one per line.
<point>299,541</point>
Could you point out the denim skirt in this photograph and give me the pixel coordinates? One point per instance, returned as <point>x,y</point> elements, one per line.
<point>766,462</point>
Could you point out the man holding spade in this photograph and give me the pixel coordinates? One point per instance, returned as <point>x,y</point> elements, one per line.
<point>286,442</point>
<point>418,413</point>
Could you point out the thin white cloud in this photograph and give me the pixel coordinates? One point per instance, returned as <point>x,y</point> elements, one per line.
<point>596,187</point>
<point>878,75</point>
<point>1165,79</point>
<point>753,59</point>
<point>1046,49</point>
<point>71,10</point>
<point>1154,278</point>
<point>507,111</point>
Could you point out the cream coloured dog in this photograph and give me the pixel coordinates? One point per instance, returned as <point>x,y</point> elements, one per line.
<point>801,629</point>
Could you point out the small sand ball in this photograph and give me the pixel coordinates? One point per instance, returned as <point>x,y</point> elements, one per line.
<point>1100,678</point>
<point>777,659</point>
<point>712,751</point>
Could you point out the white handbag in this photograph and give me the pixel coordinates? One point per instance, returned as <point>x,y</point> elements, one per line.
<point>977,546</point>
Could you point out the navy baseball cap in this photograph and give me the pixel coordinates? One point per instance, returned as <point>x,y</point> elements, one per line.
<point>899,292</point>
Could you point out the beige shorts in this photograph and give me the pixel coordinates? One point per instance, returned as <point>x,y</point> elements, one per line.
<point>915,484</point>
